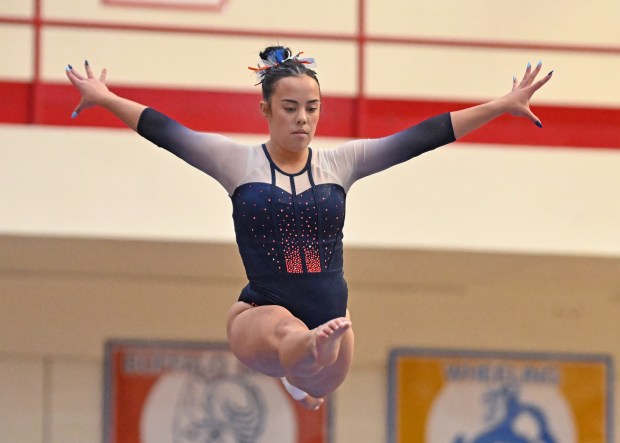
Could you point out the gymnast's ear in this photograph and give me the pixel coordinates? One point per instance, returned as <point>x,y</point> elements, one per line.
<point>265,109</point>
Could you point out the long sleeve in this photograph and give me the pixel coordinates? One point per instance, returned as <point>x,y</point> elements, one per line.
<point>214,154</point>
<point>360,158</point>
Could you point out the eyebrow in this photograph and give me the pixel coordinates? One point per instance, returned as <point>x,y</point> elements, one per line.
<point>290,100</point>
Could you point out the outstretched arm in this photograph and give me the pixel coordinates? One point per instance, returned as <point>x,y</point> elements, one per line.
<point>214,154</point>
<point>94,92</point>
<point>360,158</point>
<point>516,102</point>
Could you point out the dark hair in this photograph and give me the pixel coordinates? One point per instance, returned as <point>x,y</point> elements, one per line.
<point>279,63</point>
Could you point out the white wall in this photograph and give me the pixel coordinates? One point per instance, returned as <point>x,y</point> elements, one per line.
<point>112,183</point>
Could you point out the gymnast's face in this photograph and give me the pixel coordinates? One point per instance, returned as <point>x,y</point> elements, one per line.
<point>293,113</point>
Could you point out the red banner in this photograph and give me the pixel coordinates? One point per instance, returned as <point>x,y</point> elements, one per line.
<point>175,392</point>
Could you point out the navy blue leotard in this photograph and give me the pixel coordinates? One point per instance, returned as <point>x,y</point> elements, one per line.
<point>289,226</point>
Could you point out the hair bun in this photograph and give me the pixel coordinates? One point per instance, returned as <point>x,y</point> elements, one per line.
<point>278,62</point>
<point>274,55</point>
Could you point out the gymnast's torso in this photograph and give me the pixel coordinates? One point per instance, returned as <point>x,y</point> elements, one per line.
<point>289,231</point>
<point>289,226</point>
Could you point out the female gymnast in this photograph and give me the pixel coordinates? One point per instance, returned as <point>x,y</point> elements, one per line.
<point>291,320</point>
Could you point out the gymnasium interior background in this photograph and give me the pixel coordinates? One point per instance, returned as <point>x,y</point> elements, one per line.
<point>508,240</point>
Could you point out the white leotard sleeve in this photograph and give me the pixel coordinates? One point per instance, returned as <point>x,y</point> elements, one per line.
<point>359,158</point>
<point>218,156</point>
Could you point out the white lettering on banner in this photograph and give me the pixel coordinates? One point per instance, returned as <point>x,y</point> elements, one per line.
<point>209,364</point>
<point>502,373</point>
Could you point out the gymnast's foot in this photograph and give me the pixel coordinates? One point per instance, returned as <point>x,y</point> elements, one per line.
<point>306,400</point>
<point>311,403</point>
<point>327,340</point>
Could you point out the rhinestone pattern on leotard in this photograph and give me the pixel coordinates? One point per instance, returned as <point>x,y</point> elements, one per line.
<point>286,231</point>
<point>289,233</point>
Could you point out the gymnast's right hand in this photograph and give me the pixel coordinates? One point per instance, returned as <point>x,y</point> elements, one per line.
<point>93,91</point>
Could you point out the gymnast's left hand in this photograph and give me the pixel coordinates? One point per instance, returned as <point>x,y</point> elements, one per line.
<point>517,101</point>
<point>93,91</point>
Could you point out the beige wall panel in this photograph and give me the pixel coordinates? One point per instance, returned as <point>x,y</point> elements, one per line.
<point>187,61</point>
<point>21,399</point>
<point>555,21</point>
<point>484,318</point>
<point>17,8</point>
<point>76,399</point>
<point>16,51</point>
<point>433,72</point>
<point>243,15</point>
<point>74,315</point>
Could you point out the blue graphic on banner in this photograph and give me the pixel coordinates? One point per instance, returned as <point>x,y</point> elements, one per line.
<point>506,401</point>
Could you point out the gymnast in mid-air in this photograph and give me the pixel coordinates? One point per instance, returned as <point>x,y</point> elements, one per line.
<point>291,320</point>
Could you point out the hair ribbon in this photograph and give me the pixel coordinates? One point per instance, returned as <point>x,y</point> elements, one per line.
<point>277,58</point>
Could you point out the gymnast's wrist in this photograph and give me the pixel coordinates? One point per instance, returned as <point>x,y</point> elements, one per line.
<point>108,100</point>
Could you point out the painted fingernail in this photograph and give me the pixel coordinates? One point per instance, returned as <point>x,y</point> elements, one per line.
<point>529,65</point>
<point>74,114</point>
<point>69,67</point>
<point>539,63</point>
<point>539,124</point>
<point>550,73</point>
<point>86,62</point>
<point>514,78</point>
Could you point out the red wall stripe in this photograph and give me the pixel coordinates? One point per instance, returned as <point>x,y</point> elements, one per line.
<point>15,99</point>
<point>238,112</point>
<point>174,5</point>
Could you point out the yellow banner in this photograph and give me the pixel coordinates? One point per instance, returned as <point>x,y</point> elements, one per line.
<point>486,397</point>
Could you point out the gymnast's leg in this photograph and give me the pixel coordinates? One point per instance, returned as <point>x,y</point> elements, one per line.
<point>269,339</point>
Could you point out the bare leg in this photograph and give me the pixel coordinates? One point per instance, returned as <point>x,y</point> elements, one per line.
<point>271,340</point>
